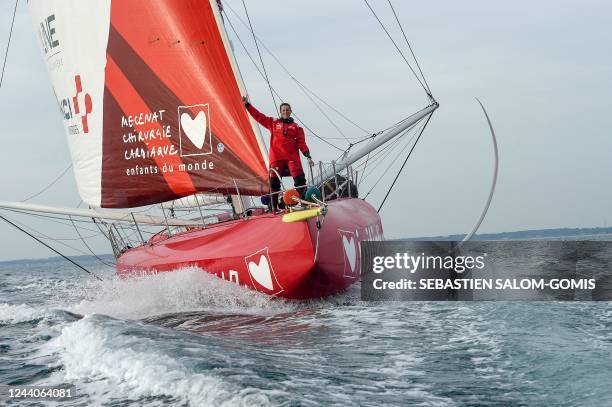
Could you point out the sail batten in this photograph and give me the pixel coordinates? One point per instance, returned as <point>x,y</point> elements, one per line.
<point>151,99</point>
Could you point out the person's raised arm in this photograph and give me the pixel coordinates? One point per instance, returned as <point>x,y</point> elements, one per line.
<point>257,115</point>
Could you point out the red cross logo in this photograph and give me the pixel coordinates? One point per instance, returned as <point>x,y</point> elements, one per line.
<point>86,101</point>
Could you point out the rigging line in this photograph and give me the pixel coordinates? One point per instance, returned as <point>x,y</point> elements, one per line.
<point>86,245</point>
<point>45,189</point>
<point>404,164</point>
<point>45,237</point>
<point>384,159</point>
<point>300,84</point>
<point>359,139</point>
<point>351,145</point>
<point>50,248</point>
<point>393,161</point>
<point>379,133</point>
<point>365,166</point>
<point>325,114</point>
<point>8,44</point>
<point>316,135</point>
<point>99,225</point>
<point>59,220</point>
<point>132,236</point>
<point>125,237</point>
<point>408,144</point>
<point>274,90</point>
<point>401,150</point>
<point>260,57</point>
<point>55,239</point>
<point>302,89</point>
<point>293,77</point>
<point>381,158</point>
<point>409,46</point>
<point>390,144</point>
<point>372,136</point>
<point>142,210</point>
<point>381,153</point>
<point>398,49</point>
<point>397,124</point>
<point>54,219</point>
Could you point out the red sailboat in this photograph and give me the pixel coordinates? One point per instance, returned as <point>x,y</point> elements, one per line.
<point>150,93</point>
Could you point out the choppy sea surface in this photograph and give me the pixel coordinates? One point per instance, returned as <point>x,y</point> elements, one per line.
<point>186,338</point>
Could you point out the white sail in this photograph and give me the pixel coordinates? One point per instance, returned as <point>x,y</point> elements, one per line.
<point>73,38</point>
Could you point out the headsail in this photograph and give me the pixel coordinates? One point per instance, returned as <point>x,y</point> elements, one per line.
<point>150,95</point>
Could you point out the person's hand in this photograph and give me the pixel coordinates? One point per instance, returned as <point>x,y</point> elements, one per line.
<point>245,100</point>
<point>311,162</point>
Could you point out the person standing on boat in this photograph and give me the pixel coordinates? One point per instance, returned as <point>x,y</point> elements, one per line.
<point>286,141</point>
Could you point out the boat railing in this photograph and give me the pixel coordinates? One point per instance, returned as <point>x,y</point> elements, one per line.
<point>330,187</point>
<point>124,235</point>
<point>338,185</point>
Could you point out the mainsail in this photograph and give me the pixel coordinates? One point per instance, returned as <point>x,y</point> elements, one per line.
<point>150,94</point>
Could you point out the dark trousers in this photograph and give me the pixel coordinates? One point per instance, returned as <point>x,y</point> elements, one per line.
<point>284,168</point>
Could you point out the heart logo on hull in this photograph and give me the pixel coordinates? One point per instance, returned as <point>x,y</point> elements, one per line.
<point>195,129</point>
<point>261,272</point>
<point>349,251</point>
<point>350,247</point>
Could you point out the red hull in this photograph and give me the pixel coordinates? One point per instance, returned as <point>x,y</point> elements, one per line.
<point>268,255</point>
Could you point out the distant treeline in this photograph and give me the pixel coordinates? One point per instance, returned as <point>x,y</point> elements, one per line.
<point>526,234</point>
<point>79,259</point>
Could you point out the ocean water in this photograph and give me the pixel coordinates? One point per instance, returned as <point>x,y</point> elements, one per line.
<point>188,339</point>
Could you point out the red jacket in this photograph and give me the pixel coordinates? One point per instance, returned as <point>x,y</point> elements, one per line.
<point>286,140</point>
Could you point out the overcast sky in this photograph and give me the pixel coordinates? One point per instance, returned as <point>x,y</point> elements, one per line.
<point>541,68</point>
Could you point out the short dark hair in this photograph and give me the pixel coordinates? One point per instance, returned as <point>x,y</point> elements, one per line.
<point>284,104</point>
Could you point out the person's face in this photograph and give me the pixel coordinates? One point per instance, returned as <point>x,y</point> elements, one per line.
<point>285,112</point>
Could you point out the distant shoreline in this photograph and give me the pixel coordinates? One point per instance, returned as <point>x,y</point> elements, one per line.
<point>522,234</point>
<point>79,259</point>
<point>525,234</point>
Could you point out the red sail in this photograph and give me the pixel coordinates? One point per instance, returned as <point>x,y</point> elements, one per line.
<point>157,114</point>
<point>171,58</point>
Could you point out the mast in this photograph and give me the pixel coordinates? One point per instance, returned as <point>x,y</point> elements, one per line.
<point>382,139</point>
<point>239,79</point>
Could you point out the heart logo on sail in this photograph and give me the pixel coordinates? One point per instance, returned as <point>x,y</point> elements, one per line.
<point>195,129</point>
<point>261,272</point>
<point>195,134</point>
<point>349,251</point>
